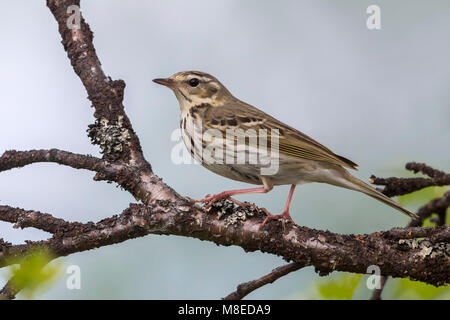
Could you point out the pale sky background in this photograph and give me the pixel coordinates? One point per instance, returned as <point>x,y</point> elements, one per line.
<point>380,98</point>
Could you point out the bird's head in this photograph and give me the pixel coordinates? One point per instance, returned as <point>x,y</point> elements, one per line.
<point>194,87</point>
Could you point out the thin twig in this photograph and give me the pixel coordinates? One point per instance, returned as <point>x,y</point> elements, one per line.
<point>376,294</point>
<point>399,186</point>
<point>247,287</point>
<point>438,206</point>
<point>9,291</point>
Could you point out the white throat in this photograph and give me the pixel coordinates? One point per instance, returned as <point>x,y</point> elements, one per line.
<point>188,102</point>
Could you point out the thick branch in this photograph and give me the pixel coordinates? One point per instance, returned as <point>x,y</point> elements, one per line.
<point>438,205</point>
<point>16,159</point>
<point>105,94</point>
<point>113,130</point>
<point>28,218</point>
<point>398,256</point>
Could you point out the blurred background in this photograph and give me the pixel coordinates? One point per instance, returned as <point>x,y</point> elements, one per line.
<point>378,97</point>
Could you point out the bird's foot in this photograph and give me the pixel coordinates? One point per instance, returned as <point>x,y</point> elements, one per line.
<point>244,204</point>
<point>211,199</point>
<point>283,216</point>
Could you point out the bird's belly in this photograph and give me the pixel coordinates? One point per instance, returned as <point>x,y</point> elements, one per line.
<point>248,164</point>
<point>239,172</point>
<point>223,159</point>
<point>293,170</point>
<point>290,171</point>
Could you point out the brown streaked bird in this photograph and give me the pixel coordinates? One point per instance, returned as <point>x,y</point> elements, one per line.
<point>204,100</point>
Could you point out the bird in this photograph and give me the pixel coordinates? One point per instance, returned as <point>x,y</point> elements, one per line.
<point>209,109</point>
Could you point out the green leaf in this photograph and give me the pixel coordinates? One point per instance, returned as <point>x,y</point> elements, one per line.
<point>33,273</point>
<point>423,196</point>
<point>340,287</point>
<point>406,289</point>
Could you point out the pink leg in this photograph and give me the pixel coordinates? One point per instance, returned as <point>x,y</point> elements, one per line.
<point>285,214</point>
<point>228,194</point>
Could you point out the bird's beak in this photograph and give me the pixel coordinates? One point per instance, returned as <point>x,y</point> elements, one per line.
<point>166,82</point>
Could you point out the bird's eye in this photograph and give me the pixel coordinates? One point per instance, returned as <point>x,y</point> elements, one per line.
<point>194,82</point>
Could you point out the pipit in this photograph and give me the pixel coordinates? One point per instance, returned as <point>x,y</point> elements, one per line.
<point>209,110</point>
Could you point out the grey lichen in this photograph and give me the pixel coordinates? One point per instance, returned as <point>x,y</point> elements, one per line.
<point>426,248</point>
<point>110,137</point>
<point>226,209</point>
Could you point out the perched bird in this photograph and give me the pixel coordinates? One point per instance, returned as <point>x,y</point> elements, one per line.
<point>207,106</point>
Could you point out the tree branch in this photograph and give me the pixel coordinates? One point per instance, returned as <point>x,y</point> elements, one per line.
<point>29,218</point>
<point>9,291</point>
<point>399,186</point>
<point>398,253</point>
<point>438,206</point>
<point>105,94</point>
<point>247,287</point>
<point>16,159</point>
<point>376,294</point>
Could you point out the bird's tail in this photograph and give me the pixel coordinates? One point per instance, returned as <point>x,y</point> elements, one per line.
<point>354,183</point>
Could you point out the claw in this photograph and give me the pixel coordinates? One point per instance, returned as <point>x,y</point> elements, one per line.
<point>190,199</point>
<point>243,204</point>
<point>211,199</point>
<point>283,216</point>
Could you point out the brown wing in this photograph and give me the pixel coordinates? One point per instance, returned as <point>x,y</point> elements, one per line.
<point>291,142</point>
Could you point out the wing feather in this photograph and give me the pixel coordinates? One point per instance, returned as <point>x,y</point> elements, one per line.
<point>291,141</point>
